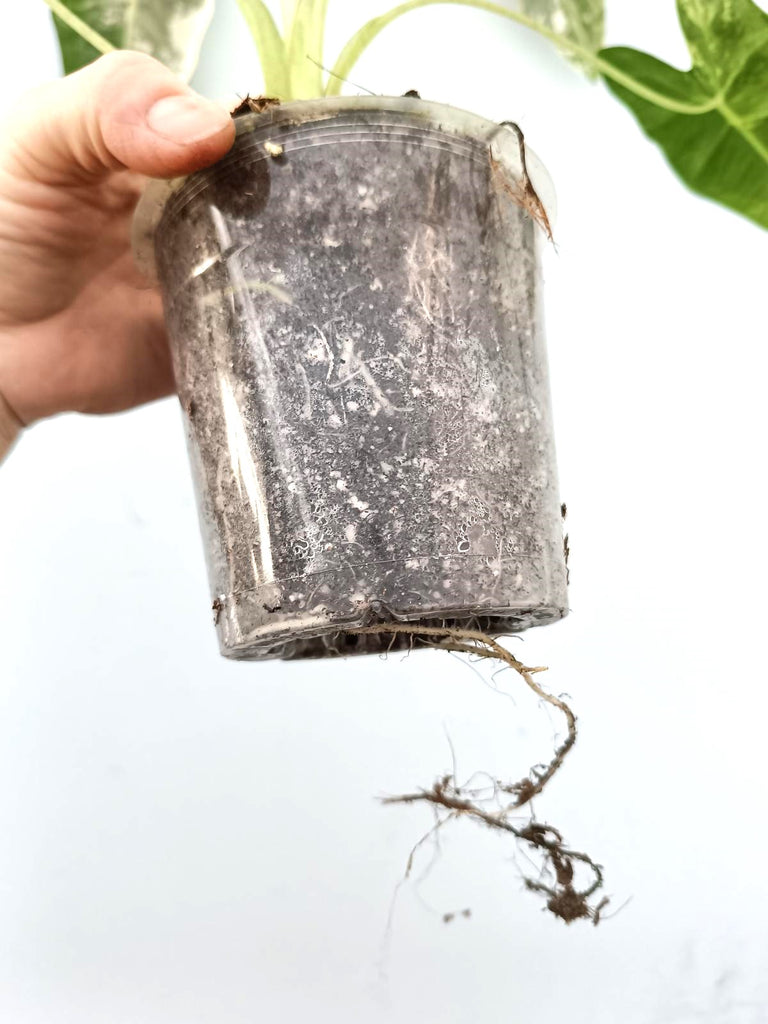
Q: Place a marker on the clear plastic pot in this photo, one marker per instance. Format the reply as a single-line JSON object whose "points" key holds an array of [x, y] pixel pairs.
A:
{"points": [[353, 301]]}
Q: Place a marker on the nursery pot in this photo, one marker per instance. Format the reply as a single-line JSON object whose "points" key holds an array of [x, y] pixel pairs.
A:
{"points": [[353, 302]]}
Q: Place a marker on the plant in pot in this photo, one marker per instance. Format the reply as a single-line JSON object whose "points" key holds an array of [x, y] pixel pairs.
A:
{"points": [[354, 306]]}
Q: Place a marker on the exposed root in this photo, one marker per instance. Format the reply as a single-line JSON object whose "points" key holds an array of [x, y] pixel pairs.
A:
{"points": [[522, 192], [488, 805]]}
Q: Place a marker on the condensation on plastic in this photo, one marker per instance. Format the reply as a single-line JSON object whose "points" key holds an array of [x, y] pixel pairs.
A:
{"points": [[353, 301]]}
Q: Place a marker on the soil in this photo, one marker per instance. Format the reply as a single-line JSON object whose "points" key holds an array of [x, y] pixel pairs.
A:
{"points": [[357, 342]]}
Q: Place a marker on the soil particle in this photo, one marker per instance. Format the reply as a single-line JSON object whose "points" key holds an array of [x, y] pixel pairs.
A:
{"points": [[358, 327]]}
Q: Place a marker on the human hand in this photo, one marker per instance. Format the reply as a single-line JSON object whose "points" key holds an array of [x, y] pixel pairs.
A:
{"points": [[79, 327]]}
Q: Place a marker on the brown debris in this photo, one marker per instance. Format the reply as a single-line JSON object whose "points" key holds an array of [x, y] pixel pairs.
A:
{"points": [[451, 915], [521, 192], [566, 556], [255, 105]]}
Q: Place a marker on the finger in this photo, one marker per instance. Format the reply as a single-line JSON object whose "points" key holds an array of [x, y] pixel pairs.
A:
{"points": [[126, 110], [10, 427]]}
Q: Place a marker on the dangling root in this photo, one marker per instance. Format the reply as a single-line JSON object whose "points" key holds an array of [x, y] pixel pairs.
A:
{"points": [[564, 899], [521, 192]]}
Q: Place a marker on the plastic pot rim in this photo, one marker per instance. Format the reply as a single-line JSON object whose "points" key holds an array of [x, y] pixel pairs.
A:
{"points": [[452, 120]]}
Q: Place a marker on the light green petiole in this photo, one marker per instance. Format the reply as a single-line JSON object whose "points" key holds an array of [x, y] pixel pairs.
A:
{"points": [[90, 35]]}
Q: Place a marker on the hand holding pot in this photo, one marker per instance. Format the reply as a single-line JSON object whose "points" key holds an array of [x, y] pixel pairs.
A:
{"points": [[79, 328]]}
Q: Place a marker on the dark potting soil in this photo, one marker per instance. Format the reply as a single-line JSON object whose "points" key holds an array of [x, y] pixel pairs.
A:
{"points": [[353, 304]]}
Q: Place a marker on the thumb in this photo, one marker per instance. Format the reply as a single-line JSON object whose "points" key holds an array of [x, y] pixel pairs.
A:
{"points": [[126, 110]]}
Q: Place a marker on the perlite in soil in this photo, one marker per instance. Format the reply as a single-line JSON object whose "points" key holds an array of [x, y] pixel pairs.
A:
{"points": [[353, 300]]}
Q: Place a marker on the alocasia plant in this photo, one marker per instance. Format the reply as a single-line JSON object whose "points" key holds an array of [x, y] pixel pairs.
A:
{"points": [[711, 122]]}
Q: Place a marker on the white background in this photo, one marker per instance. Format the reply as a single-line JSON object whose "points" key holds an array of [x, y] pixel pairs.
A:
{"points": [[189, 841]]}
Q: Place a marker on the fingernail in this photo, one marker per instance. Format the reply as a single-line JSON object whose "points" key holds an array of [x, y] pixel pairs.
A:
{"points": [[186, 118]]}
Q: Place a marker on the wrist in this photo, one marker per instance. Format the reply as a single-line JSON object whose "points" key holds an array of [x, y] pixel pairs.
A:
{"points": [[10, 427]]}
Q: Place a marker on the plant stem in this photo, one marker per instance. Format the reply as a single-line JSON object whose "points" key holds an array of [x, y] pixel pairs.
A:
{"points": [[270, 46], [90, 35], [353, 49]]}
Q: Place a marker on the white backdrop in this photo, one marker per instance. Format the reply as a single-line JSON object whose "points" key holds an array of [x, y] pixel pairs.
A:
{"points": [[189, 841]]}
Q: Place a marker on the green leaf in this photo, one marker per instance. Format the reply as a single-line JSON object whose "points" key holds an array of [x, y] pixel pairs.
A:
{"points": [[171, 30], [582, 21], [271, 48], [712, 121]]}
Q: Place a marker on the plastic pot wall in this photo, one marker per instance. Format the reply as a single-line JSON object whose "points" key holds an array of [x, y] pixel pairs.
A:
{"points": [[353, 301]]}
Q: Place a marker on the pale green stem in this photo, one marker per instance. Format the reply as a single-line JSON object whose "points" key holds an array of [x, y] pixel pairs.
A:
{"points": [[304, 45], [348, 56], [90, 35], [287, 9], [270, 46]]}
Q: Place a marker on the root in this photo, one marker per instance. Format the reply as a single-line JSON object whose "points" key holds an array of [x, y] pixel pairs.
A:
{"points": [[521, 192], [451, 800]]}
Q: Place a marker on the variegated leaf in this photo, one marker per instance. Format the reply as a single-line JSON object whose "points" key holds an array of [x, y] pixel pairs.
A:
{"points": [[170, 30], [582, 21]]}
